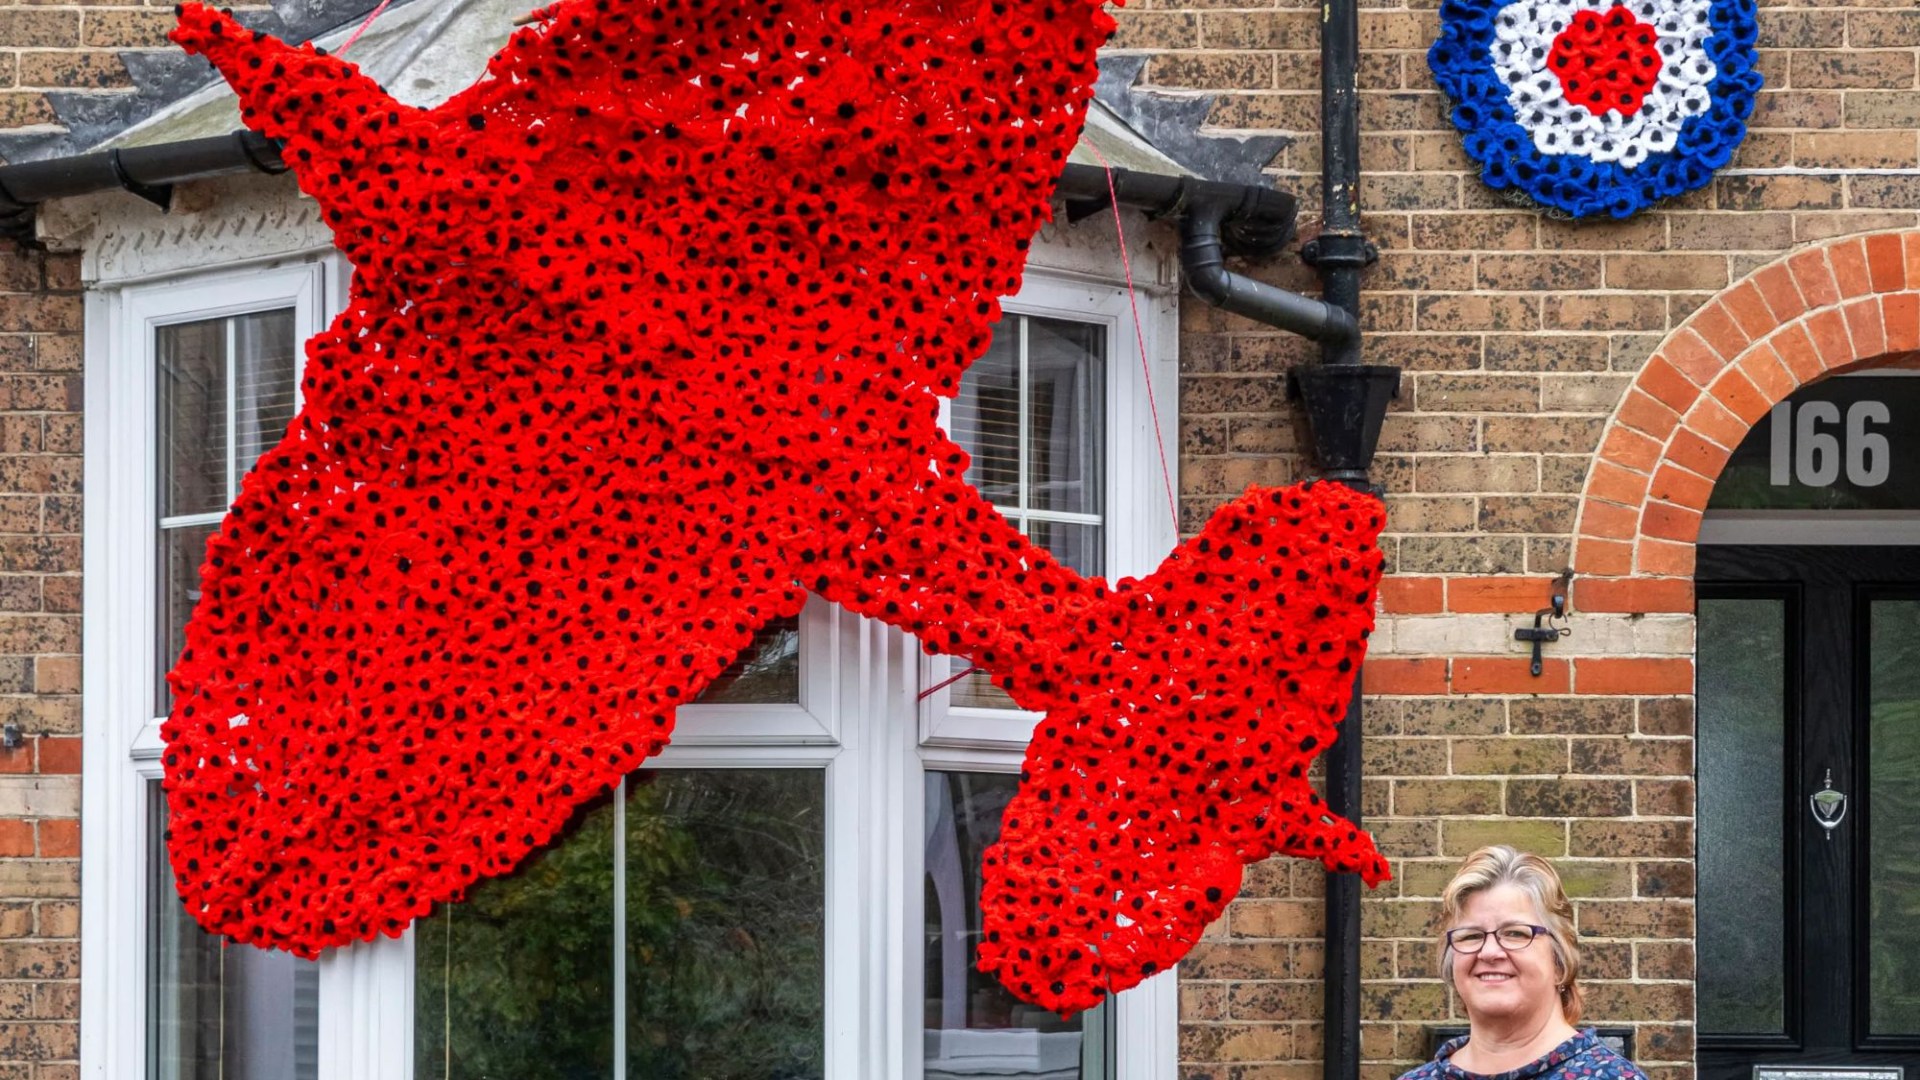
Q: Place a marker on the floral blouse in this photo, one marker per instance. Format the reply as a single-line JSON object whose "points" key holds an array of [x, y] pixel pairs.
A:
{"points": [[1583, 1057]]}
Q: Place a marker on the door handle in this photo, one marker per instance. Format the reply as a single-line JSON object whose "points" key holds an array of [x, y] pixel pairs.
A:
{"points": [[1828, 805]]}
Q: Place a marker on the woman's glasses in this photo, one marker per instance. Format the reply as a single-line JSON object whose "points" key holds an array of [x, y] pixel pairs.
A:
{"points": [[1512, 937]]}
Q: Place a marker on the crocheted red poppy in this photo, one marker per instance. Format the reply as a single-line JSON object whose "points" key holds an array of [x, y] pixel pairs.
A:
{"points": [[646, 340]]}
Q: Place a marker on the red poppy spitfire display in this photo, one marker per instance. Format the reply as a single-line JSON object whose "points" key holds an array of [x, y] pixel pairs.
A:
{"points": [[1593, 106], [647, 338]]}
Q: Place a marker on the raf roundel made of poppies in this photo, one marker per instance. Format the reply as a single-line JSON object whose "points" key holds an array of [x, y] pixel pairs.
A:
{"points": [[1593, 106]]}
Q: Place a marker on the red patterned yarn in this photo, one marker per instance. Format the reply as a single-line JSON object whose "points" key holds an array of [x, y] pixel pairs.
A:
{"points": [[646, 341], [1607, 60]]}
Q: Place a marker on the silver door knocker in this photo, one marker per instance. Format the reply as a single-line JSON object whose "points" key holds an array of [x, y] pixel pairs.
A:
{"points": [[1829, 806]]}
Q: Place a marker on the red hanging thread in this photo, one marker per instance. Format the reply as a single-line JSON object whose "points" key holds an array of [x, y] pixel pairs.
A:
{"points": [[1139, 337], [372, 15]]}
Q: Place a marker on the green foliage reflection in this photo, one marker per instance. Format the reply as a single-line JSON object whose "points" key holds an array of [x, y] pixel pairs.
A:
{"points": [[516, 983], [725, 949], [725, 916]]}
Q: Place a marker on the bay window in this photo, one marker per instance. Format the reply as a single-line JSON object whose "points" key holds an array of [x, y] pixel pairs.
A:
{"points": [[790, 891]]}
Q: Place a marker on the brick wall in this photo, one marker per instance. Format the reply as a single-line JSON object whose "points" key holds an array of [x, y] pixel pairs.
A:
{"points": [[1526, 343], [71, 48], [40, 467]]}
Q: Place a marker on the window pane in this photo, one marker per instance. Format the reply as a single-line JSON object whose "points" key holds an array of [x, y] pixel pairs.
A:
{"points": [[517, 981], [768, 672], [726, 924], [192, 388], [217, 1011], [182, 550], [1893, 898], [1079, 546], [1742, 738], [1066, 415], [974, 1027], [200, 410], [263, 392], [986, 416], [725, 884]]}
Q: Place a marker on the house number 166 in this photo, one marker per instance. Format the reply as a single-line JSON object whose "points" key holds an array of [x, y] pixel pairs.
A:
{"points": [[1811, 445]]}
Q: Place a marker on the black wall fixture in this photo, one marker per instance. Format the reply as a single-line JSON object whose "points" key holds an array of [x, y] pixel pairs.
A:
{"points": [[1346, 405]]}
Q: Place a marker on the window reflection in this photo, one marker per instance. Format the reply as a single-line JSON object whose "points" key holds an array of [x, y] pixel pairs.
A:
{"points": [[719, 962], [974, 1026], [1893, 860], [767, 671], [726, 924], [517, 981]]}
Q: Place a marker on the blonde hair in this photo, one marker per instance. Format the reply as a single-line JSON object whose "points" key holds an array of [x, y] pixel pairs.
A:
{"points": [[1535, 876]]}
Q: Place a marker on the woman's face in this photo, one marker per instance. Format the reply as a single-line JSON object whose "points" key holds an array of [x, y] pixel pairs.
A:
{"points": [[1494, 984]]}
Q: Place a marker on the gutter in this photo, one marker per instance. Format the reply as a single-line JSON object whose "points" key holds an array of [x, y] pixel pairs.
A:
{"points": [[1216, 219], [147, 171]]}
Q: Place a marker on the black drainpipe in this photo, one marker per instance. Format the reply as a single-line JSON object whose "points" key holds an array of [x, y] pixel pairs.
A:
{"points": [[1345, 403]]}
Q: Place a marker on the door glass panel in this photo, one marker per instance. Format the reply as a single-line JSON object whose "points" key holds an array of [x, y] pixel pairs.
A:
{"points": [[218, 1011], [1742, 738], [517, 981], [1893, 797], [974, 1027]]}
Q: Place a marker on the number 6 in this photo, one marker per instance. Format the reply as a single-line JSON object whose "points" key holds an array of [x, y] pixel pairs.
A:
{"points": [[1816, 459], [1868, 459]]}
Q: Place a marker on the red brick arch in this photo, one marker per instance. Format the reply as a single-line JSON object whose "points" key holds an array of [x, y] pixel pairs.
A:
{"points": [[1848, 303]]}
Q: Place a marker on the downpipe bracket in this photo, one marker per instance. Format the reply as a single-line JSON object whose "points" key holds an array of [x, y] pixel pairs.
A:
{"points": [[1335, 250]]}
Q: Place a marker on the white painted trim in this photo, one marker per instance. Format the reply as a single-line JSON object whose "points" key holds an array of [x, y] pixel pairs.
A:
{"points": [[366, 1010], [1840, 528], [1147, 1038]]}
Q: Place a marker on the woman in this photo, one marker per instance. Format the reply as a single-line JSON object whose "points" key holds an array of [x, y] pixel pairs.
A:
{"points": [[1509, 952]]}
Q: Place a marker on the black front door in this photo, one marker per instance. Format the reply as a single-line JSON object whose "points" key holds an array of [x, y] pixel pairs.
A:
{"points": [[1808, 761]]}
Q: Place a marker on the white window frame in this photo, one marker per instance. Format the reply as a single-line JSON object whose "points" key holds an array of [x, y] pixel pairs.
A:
{"points": [[121, 735], [859, 717]]}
